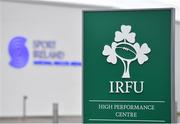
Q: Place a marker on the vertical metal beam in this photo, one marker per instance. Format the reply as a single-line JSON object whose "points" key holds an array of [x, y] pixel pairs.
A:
{"points": [[24, 105], [173, 106], [55, 113], [176, 110]]}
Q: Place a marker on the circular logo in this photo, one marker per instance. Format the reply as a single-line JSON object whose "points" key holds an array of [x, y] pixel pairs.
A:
{"points": [[18, 52]]}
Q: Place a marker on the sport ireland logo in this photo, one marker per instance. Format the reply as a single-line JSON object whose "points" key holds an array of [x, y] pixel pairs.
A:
{"points": [[18, 52]]}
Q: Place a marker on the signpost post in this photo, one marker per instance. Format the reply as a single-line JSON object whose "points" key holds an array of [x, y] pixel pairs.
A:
{"points": [[128, 66]]}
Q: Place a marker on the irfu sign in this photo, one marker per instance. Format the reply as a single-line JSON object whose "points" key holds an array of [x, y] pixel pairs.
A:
{"points": [[128, 69]]}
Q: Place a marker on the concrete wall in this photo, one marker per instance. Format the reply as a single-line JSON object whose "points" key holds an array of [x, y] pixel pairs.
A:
{"points": [[0, 55], [42, 84]]}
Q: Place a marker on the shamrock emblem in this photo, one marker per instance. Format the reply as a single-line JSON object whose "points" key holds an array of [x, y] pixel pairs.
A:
{"points": [[125, 49], [109, 51], [125, 34], [141, 52]]}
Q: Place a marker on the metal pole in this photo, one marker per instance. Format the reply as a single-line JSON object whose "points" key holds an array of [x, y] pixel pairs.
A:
{"points": [[55, 113], [176, 115], [24, 106]]}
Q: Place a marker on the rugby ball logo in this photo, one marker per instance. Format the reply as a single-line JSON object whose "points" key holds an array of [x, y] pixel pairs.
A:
{"points": [[125, 48]]}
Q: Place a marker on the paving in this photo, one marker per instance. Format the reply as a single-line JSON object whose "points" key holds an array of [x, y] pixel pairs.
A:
{"points": [[41, 119], [44, 119]]}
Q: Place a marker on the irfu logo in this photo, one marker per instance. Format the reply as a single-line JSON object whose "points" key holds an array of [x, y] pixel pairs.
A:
{"points": [[126, 49]]}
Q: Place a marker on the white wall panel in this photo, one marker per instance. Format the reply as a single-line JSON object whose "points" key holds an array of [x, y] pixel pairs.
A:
{"points": [[42, 84]]}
